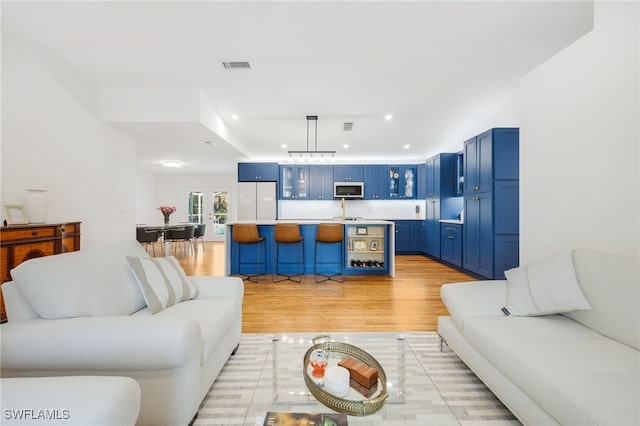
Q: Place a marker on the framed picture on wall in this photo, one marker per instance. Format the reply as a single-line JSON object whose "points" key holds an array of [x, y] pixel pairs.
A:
{"points": [[15, 214]]}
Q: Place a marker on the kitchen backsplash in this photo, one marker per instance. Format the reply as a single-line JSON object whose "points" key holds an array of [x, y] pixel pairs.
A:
{"points": [[367, 209]]}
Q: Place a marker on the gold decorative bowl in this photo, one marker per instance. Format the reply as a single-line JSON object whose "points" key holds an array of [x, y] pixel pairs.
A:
{"points": [[364, 407]]}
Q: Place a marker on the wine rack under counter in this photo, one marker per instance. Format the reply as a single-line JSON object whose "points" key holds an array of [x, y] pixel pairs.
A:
{"points": [[367, 249]]}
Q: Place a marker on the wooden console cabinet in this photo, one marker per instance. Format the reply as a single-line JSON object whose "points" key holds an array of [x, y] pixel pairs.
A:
{"points": [[19, 243]]}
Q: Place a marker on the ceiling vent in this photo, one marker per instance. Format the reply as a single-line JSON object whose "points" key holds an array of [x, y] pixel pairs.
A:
{"points": [[237, 65], [347, 126]]}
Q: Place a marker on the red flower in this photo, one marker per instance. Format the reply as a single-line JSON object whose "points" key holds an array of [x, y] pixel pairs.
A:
{"points": [[167, 210]]}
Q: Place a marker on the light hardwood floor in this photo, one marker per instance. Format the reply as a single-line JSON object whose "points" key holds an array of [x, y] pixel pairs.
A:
{"points": [[408, 302]]}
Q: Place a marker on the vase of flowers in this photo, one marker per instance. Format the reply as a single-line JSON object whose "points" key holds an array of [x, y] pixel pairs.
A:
{"points": [[166, 212]]}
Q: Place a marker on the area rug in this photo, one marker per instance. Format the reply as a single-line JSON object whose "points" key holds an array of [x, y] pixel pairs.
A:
{"points": [[472, 404]]}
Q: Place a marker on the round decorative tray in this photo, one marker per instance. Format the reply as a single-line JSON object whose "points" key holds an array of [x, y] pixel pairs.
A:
{"points": [[353, 407]]}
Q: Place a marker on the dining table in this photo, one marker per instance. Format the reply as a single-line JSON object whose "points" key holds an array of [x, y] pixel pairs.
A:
{"points": [[164, 228]]}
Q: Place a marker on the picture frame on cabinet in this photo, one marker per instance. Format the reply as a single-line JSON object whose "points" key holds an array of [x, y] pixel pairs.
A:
{"points": [[374, 245], [359, 245], [15, 214], [361, 230]]}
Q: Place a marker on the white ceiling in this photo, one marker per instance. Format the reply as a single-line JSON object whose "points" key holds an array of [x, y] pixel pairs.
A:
{"points": [[439, 68]]}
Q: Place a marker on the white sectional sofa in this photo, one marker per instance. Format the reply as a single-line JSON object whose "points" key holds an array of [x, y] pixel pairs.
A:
{"points": [[113, 311], [573, 367], [69, 401]]}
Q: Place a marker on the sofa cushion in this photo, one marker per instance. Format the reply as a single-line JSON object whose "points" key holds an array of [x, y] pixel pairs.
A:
{"points": [[576, 374], [91, 282], [546, 287], [162, 281], [476, 298], [611, 283], [214, 316]]}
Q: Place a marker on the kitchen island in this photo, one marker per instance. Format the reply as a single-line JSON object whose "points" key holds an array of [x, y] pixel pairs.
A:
{"points": [[368, 247]]}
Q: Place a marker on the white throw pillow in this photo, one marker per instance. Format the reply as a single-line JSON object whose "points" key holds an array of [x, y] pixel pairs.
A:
{"points": [[162, 281], [546, 287]]}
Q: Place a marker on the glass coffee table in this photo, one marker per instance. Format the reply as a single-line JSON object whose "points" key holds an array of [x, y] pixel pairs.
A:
{"points": [[413, 398]]}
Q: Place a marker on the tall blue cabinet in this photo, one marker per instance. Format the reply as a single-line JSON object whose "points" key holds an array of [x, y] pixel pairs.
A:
{"points": [[491, 202], [441, 199]]}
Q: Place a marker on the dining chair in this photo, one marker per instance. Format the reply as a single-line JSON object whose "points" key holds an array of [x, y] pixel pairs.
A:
{"points": [[181, 236], [199, 235], [147, 237]]}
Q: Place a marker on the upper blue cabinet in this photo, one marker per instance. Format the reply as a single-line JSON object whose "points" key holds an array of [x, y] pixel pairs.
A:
{"points": [[402, 182], [375, 182], [294, 182], [257, 172], [488, 156], [459, 176], [348, 173], [321, 182]]}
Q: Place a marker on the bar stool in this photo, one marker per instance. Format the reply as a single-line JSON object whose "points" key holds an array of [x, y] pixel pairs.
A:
{"points": [[287, 233], [329, 233], [247, 233]]}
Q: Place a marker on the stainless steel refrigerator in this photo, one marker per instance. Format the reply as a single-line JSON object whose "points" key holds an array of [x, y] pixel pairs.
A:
{"points": [[257, 201]]}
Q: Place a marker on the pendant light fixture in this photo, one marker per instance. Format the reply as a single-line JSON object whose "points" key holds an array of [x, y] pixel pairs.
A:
{"points": [[311, 155]]}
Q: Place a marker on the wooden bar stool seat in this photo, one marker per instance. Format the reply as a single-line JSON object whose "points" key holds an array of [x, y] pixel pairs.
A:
{"points": [[247, 233], [329, 233], [287, 233]]}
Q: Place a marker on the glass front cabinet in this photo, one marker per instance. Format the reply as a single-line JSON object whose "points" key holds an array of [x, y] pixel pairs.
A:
{"points": [[402, 182], [294, 182]]}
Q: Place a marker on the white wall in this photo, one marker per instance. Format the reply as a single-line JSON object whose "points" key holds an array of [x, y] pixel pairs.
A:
{"points": [[52, 140], [579, 138], [171, 189]]}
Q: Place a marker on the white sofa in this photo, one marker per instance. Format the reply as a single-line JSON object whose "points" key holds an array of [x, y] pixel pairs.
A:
{"points": [[84, 313], [69, 401], [579, 367]]}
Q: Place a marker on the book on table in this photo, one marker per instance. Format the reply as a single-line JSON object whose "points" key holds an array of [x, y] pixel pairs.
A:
{"points": [[282, 418]]}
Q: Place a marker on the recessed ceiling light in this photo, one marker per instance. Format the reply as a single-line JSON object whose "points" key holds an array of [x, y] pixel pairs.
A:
{"points": [[172, 163], [388, 117], [235, 117], [284, 145], [345, 146], [407, 146]]}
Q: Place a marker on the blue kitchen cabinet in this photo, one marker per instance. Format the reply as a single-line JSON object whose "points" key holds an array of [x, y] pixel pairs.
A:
{"points": [[491, 203], [451, 243], [422, 181], [375, 182], [257, 172], [418, 236], [410, 236], [321, 182], [348, 173], [492, 155], [441, 202], [459, 176], [403, 236], [402, 182], [294, 182]]}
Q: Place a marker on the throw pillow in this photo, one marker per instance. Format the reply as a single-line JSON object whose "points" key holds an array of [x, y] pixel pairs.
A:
{"points": [[162, 282], [546, 287]]}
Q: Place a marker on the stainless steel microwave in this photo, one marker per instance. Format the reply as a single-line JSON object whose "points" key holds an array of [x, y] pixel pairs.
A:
{"points": [[348, 189]]}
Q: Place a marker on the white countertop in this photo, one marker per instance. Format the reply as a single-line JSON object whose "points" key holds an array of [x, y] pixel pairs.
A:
{"points": [[316, 221], [455, 221]]}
